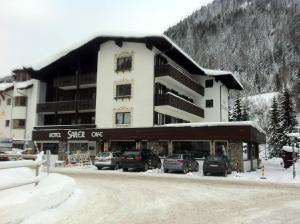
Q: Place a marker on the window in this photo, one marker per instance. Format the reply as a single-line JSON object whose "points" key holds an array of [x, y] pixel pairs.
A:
{"points": [[209, 103], [124, 63], [209, 83], [123, 91], [20, 101], [7, 123], [18, 123], [8, 102], [123, 118]]}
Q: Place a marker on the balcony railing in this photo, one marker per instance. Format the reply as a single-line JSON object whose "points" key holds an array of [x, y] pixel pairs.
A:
{"points": [[63, 106], [169, 70], [177, 102], [83, 79]]}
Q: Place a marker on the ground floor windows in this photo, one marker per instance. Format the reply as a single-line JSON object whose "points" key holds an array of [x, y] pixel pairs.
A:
{"points": [[221, 148], [161, 119], [122, 146], [75, 147], [197, 149], [53, 147]]}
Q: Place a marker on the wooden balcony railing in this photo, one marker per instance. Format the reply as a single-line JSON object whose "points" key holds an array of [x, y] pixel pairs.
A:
{"points": [[177, 102], [169, 70], [83, 79], [62, 106]]}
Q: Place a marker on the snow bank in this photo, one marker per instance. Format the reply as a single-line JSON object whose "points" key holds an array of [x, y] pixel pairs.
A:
{"points": [[20, 203], [288, 148]]}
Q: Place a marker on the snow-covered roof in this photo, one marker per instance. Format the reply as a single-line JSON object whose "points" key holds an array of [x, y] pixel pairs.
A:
{"points": [[288, 148], [24, 85], [162, 38], [5, 86], [218, 124]]}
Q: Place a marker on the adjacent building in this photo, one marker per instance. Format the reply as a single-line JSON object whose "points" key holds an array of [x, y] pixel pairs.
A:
{"points": [[18, 102], [119, 93]]}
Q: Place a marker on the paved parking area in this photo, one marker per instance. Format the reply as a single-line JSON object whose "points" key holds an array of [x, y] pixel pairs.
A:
{"points": [[109, 197]]}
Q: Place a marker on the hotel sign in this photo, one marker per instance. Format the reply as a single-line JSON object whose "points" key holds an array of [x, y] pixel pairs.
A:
{"points": [[65, 135]]}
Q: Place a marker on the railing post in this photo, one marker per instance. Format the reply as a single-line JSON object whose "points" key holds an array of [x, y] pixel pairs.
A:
{"points": [[37, 168], [48, 161]]}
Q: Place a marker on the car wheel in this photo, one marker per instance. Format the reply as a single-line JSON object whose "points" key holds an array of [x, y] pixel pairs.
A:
{"points": [[117, 166], [159, 165], [146, 167], [125, 169], [185, 170], [166, 171], [197, 168], [204, 173], [225, 173]]}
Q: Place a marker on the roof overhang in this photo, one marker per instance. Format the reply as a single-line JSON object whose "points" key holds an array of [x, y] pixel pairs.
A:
{"points": [[161, 42]]}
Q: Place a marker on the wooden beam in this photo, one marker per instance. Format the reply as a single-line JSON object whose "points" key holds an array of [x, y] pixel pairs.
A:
{"points": [[119, 43], [149, 46]]}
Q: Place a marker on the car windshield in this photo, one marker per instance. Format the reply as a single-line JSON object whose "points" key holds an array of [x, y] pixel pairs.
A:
{"points": [[104, 154], [215, 159], [174, 157], [131, 153]]}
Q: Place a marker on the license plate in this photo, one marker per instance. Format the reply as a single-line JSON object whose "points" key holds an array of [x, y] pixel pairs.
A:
{"points": [[214, 165]]}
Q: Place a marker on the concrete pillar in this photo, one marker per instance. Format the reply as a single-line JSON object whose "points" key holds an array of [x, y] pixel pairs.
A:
{"points": [[106, 146], [170, 148], [138, 145]]}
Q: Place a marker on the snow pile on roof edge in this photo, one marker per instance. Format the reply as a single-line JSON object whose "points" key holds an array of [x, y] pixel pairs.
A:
{"points": [[218, 124]]}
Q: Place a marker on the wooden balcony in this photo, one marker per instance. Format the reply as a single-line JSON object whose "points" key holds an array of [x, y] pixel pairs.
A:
{"points": [[83, 79], [169, 70], [177, 102], [66, 106]]}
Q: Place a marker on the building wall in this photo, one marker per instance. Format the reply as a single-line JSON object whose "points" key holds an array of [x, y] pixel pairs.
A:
{"points": [[141, 77], [213, 114], [5, 114]]}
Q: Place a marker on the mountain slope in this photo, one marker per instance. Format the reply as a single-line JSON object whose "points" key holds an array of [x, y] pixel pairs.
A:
{"points": [[257, 39]]}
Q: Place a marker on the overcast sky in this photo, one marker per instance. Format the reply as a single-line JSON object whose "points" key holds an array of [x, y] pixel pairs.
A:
{"points": [[33, 30]]}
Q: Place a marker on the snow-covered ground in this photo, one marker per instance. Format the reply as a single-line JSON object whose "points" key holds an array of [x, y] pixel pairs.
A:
{"points": [[19, 203]]}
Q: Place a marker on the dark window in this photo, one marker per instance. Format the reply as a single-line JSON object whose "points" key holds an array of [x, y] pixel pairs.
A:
{"points": [[20, 101], [124, 63], [209, 103], [18, 123], [123, 118], [7, 123], [123, 91], [209, 83], [8, 102]]}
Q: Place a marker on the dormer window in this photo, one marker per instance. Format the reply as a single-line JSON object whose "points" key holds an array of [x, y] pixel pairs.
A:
{"points": [[124, 64]]}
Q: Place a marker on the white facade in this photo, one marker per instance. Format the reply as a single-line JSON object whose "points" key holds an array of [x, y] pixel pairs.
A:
{"points": [[10, 111], [141, 78]]}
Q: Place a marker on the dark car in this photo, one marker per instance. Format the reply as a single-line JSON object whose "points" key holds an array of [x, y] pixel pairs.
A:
{"points": [[216, 165], [140, 159], [108, 159], [180, 162]]}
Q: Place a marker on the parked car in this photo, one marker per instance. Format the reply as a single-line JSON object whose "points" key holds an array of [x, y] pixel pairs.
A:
{"points": [[108, 159], [180, 162], [216, 165], [143, 159]]}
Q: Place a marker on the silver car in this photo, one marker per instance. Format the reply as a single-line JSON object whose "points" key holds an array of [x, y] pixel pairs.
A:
{"points": [[108, 159], [180, 162]]}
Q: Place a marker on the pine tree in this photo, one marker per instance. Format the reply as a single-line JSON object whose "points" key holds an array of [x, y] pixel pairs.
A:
{"points": [[245, 113], [237, 111], [287, 116], [274, 131]]}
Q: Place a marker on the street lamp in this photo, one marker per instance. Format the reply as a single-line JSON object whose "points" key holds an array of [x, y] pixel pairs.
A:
{"points": [[293, 137]]}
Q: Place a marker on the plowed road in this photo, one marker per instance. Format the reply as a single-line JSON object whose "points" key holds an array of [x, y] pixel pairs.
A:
{"points": [[107, 197]]}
